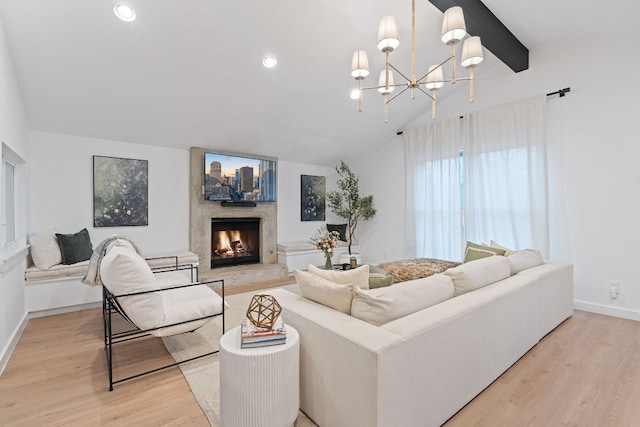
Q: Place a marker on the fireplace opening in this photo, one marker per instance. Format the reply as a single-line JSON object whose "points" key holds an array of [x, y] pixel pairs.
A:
{"points": [[235, 241]]}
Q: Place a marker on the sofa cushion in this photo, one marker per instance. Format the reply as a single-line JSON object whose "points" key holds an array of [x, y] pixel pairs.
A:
{"points": [[45, 251], [358, 277], [474, 251], [382, 305], [75, 247], [123, 271], [476, 274], [325, 292], [340, 228], [526, 258]]}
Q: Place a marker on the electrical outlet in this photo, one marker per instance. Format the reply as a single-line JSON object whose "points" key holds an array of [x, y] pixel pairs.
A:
{"points": [[614, 288]]}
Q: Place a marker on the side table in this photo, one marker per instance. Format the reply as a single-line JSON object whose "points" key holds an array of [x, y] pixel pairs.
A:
{"points": [[259, 387]]}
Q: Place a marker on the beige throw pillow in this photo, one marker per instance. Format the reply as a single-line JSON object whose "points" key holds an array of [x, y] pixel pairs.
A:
{"points": [[358, 277], [526, 258], [45, 250], [507, 251], [325, 292], [382, 305], [476, 274]]}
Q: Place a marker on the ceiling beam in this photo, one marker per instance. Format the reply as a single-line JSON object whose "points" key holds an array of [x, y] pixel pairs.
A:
{"points": [[495, 36]]}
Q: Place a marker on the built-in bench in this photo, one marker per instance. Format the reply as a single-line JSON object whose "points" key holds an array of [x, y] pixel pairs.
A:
{"points": [[59, 289], [298, 255]]}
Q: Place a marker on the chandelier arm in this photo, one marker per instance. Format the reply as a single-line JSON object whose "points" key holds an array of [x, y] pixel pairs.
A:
{"points": [[398, 94], [400, 72], [425, 92]]}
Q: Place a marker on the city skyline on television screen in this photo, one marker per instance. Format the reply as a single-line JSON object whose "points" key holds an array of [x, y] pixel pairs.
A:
{"points": [[229, 177]]}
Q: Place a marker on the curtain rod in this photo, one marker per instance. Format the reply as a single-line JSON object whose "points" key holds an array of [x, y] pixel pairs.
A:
{"points": [[560, 92]]}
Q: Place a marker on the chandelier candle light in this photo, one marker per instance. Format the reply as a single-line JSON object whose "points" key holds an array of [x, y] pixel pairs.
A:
{"points": [[453, 31]]}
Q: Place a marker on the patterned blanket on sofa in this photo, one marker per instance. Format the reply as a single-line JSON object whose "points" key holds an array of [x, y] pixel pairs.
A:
{"points": [[410, 269]]}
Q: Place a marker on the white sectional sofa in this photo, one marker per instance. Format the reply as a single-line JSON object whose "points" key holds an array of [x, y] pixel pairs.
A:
{"points": [[421, 368]]}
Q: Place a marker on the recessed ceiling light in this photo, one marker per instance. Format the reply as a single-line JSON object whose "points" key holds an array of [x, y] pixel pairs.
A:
{"points": [[269, 61], [124, 12], [355, 94]]}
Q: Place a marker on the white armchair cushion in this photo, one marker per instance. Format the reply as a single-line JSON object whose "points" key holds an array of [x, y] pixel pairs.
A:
{"points": [[382, 305], [478, 273], [123, 271], [325, 292], [45, 250], [358, 277]]}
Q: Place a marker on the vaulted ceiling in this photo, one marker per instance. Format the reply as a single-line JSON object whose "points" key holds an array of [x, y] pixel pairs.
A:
{"points": [[189, 73]]}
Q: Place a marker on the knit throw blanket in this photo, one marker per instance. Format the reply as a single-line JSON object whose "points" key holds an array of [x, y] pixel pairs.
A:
{"points": [[410, 269], [92, 278]]}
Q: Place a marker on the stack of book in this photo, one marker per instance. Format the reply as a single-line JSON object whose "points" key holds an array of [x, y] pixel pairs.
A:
{"points": [[254, 336]]}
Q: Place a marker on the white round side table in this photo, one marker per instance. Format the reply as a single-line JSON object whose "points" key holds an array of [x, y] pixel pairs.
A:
{"points": [[259, 387]]}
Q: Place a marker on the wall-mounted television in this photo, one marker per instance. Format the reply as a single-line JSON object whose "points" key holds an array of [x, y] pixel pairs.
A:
{"points": [[239, 178]]}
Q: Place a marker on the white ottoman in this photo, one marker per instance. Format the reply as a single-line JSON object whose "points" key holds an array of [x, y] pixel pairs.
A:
{"points": [[259, 387]]}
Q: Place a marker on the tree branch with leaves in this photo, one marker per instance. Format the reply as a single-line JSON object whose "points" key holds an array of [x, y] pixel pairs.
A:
{"points": [[347, 202]]}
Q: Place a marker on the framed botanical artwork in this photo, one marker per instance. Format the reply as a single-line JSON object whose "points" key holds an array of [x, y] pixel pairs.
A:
{"points": [[120, 192], [312, 197]]}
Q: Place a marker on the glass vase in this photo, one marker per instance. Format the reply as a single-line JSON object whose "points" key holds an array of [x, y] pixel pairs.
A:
{"points": [[327, 262]]}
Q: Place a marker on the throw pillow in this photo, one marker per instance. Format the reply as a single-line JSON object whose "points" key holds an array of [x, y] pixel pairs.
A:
{"points": [[526, 258], [75, 247], [481, 272], [475, 251], [378, 280], [380, 306], [325, 292], [45, 251], [507, 251], [358, 277], [340, 228]]}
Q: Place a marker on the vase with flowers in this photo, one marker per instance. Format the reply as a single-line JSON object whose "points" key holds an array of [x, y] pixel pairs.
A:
{"points": [[326, 241]]}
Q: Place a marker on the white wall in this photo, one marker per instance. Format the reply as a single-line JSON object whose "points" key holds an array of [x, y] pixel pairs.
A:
{"points": [[595, 188], [62, 189], [290, 227], [14, 134]]}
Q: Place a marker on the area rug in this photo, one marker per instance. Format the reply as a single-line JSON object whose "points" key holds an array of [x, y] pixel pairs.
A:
{"points": [[202, 375]]}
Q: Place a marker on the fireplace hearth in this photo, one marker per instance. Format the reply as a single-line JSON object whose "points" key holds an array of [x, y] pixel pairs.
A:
{"points": [[235, 241]]}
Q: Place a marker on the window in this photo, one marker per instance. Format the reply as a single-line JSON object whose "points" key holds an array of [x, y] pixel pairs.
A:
{"points": [[479, 180]]}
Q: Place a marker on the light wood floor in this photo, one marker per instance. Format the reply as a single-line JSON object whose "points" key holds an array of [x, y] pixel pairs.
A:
{"points": [[585, 373]]}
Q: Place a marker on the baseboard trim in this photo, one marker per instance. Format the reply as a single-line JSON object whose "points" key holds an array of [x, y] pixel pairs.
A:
{"points": [[62, 310], [8, 350], [607, 309]]}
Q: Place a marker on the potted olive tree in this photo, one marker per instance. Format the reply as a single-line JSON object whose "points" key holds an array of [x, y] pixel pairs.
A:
{"points": [[347, 202]]}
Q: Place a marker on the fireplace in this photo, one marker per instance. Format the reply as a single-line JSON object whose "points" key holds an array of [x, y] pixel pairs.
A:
{"points": [[235, 241]]}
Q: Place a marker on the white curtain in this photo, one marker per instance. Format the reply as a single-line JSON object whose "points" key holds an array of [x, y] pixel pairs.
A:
{"points": [[505, 168], [433, 223]]}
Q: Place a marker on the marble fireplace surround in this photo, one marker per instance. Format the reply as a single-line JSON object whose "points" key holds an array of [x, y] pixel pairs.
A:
{"points": [[200, 214]]}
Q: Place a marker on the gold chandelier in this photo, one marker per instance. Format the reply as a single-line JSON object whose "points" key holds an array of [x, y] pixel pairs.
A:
{"points": [[453, 31]]}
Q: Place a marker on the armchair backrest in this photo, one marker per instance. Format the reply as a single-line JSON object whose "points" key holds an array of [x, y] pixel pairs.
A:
{"points": [[124, 271]]}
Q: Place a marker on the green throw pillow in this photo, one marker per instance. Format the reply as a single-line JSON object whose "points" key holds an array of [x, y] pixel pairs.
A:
{"points": [[377, 280], [75, 247], [340, 228], [475, 251]]}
